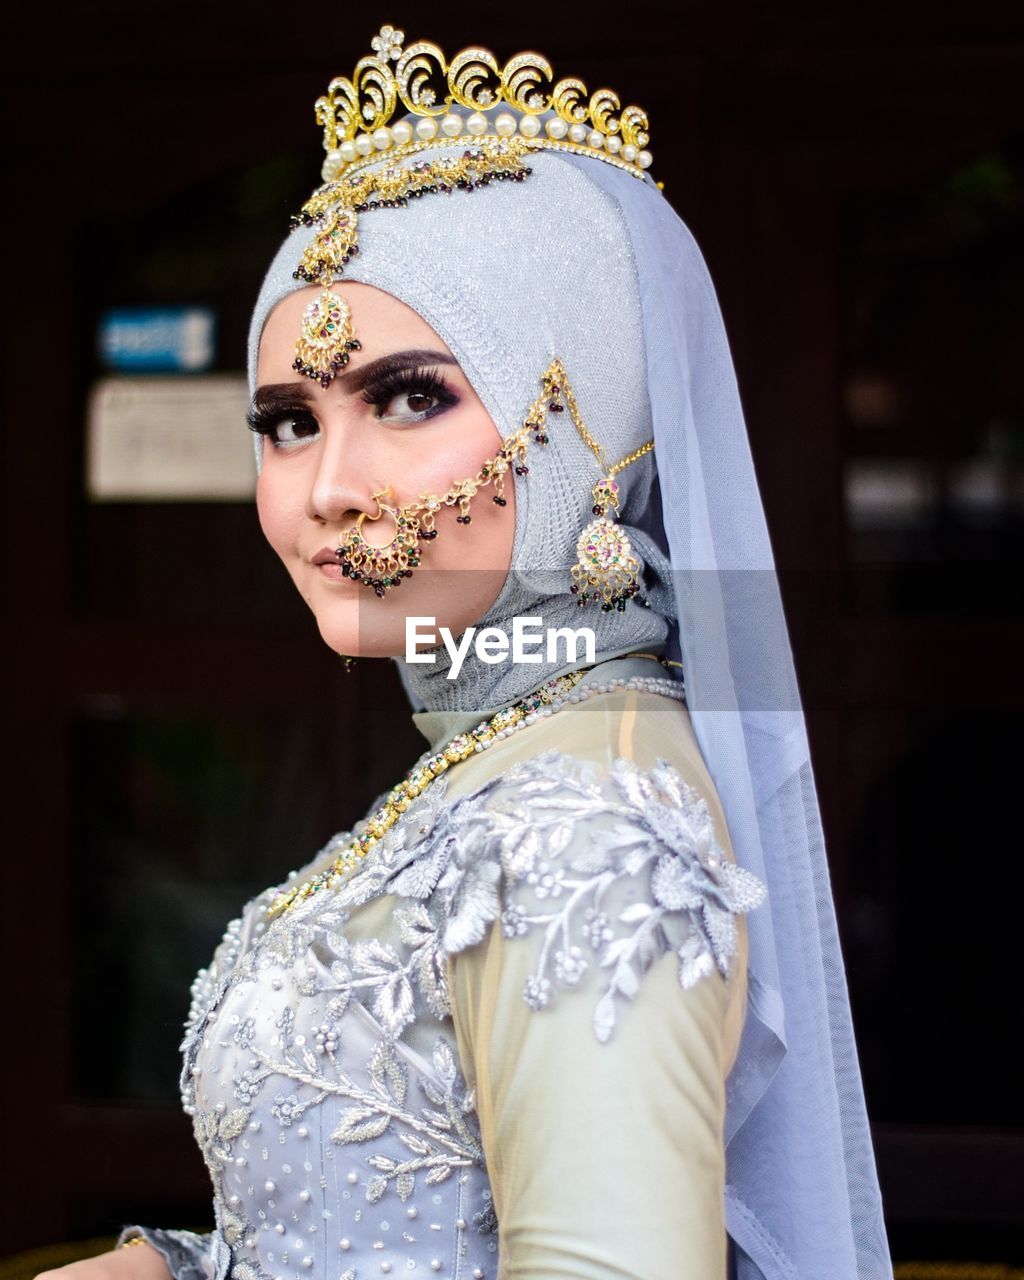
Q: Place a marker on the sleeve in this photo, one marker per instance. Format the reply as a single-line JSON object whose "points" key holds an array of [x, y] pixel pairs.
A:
{"points": [[597, 1021], [189, 1256]]}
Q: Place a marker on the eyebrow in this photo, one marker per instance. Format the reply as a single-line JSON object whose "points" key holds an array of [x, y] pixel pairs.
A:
{"points": [[275, 394]]}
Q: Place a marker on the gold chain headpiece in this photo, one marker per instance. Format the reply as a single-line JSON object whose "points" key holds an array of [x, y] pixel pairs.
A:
{"points": [[355, 116], [356, 112], [326, 335]]}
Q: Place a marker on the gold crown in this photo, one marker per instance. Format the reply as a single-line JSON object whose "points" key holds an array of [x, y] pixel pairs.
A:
{"points": [[356, 113]]}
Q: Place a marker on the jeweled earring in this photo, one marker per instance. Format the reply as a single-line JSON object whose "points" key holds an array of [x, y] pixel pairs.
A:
{"points": [[606, 570], [381, 567], [347, 663], [327, 338]]}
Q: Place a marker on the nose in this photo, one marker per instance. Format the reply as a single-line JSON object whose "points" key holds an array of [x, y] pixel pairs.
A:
{"points": [[341, 487]]}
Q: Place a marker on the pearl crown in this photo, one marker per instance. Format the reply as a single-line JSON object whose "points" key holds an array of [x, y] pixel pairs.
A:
{"points": [[356, 113]]}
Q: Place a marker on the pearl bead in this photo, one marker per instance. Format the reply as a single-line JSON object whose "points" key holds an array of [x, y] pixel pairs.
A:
{"points": [[476, 124], [629, 152], [435, 1264], [364, 144], [385, 1266], [556, 128], [352, 1177], [505, 125], [478, 1273], [460, 1223], [279, 1228], [644, 159], [451, 125], [402, 132], [595, 139], [382, 138], [345, 1243], [269, 1186], [529, 126], [307, 1261], [411, 1212], [426, 128], [304, 1196], [302, 1131], [577, 133]]}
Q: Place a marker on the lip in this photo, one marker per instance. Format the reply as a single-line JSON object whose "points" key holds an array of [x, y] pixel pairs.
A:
{"points": [[325, 555]]}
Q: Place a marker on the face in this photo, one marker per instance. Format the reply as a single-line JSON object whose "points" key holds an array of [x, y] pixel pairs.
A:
{"points": [[400, 414]]}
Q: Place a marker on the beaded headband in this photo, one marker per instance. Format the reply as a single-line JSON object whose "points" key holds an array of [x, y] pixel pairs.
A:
{"points": [[356, 113]]}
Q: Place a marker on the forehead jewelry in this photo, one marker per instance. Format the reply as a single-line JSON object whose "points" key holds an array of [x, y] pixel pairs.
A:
{"points": [[382, 568], [327, 337], [507, 112]]}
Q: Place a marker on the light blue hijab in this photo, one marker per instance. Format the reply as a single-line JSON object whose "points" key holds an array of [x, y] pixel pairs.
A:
{"points": [[588, 262]]}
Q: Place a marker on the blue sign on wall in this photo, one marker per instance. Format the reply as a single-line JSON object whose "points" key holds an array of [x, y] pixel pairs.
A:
{"points": [[158, 339]]}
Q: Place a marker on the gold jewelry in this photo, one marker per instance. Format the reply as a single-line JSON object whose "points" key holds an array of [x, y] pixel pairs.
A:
{"points": [[327, 337], [127, 1244], [356, 113], [386, 566], [383, 568], [606, 568], [457, 749], [550, 698]]}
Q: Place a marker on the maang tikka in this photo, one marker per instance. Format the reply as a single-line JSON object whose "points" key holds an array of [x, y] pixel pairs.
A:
{"points": [[607, 571]]}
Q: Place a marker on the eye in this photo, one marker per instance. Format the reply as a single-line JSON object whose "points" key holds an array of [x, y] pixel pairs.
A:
{"points": [[284, 428], [405, 396]]}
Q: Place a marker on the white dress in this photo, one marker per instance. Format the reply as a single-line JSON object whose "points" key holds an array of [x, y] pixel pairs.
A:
{"points": [[500, 1047]]}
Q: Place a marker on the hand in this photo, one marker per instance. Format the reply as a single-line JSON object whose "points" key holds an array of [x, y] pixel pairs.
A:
{"points": [[139, 1262]]}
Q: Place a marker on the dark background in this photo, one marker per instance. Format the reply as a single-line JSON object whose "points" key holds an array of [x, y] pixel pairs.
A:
{"points": [[177, 735]]}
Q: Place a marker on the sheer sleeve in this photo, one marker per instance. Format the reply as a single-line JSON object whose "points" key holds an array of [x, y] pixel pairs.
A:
{"points": [[597, 1020]]}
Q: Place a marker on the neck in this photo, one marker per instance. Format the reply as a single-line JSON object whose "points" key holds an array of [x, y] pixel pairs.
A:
{"points": [[484, 687]]}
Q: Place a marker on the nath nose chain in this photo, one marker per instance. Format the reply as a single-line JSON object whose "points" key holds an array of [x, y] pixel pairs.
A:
{"points": [[607, 571]]}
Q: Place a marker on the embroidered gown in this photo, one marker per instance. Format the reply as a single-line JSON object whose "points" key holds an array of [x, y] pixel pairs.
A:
{"points": [[500, 1047]]}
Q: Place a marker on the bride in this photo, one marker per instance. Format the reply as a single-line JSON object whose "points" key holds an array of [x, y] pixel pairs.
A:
{"points": [[569, 1001]]}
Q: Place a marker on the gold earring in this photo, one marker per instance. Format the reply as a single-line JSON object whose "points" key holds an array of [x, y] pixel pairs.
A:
{"points": [[606, 568], [381, 567]]}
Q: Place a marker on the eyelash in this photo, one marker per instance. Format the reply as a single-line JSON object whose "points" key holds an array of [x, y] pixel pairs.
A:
{"points": [[395, 382], [265, 422], [378, 393]]}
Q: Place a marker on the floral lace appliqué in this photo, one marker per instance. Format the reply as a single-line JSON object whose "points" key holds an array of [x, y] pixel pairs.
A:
{"points": [[538, 849]]}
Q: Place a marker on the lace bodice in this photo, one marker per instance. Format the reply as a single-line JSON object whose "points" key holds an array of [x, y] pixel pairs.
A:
{"points": [[344, 1063]]}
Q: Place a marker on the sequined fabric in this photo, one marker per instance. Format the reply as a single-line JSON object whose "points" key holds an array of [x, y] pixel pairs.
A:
{"points": [[333, 1096]]}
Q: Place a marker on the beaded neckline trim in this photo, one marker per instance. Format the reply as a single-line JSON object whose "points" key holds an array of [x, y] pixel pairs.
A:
{"points": [[550, 698]]}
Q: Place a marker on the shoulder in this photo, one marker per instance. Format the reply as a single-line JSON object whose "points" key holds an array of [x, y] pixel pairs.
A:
{"points": [[594, 865]]}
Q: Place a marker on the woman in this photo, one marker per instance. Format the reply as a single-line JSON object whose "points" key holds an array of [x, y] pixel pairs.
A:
{"points": [[519, 1022]]}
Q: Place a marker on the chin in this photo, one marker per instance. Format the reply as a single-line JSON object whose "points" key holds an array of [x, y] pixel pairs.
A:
{"points": [[357, 636]]}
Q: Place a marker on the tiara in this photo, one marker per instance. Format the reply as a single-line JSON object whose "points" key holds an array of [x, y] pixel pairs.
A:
{"points": [[355, 113]]}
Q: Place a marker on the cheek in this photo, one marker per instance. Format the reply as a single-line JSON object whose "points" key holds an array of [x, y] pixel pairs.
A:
{"points": [[281, 512]]}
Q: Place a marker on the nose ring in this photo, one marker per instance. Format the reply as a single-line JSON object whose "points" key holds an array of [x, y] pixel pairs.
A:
{"points": [[381, 567]]}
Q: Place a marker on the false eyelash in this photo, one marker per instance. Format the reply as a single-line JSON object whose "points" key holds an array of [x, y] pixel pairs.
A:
{"points": [[265, 421], [393, 382]]}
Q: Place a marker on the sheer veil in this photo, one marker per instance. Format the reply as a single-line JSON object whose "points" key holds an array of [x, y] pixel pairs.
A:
{"points": [[802, 1194]]}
